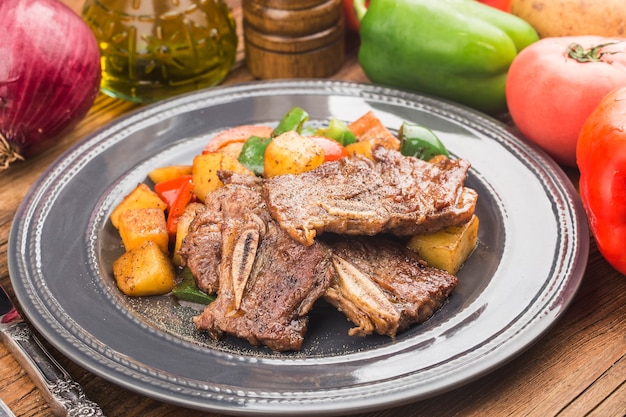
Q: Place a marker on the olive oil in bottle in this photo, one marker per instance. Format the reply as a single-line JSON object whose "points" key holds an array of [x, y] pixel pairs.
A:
{"points": [[154, 49]]}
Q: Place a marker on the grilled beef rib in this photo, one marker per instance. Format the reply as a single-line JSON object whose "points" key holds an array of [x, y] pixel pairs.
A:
{"points": [[383, 287], [254, 245], [393, 194], [266, 281]]}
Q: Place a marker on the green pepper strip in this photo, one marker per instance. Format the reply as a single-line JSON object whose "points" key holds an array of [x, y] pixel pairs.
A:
{"points": [[293, 120], [187, 290], [338, 131], [253, 152], [420, 142]]}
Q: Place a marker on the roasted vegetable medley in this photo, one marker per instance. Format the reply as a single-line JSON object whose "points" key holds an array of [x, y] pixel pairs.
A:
{"points": [[153, 220]]}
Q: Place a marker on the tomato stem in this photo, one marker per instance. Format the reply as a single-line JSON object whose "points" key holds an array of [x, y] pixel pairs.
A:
{"points": [[578, 53], [8, 154]]}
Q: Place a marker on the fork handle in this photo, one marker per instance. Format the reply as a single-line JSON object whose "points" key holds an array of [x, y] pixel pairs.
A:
{"points": [[65, 396]]}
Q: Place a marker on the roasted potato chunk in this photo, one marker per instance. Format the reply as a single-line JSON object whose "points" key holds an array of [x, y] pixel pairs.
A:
{"points": [[232, 149], [204, 171], [141, 197], [144, 270], [291, 153], [138, 225], [447, 249], [169, 172], [182, 228]]}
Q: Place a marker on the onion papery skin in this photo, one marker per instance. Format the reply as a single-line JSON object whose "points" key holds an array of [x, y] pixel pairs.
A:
{"points": [[49, 75]]}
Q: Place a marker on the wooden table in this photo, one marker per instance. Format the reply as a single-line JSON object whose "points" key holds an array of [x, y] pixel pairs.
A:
{"points": [[578, 368]]}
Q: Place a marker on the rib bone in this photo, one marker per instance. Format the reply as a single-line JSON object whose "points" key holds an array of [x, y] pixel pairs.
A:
{"points": [[372, 301]]}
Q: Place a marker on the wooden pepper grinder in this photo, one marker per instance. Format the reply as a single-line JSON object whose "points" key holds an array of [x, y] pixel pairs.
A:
{"points": [[293, 38]]}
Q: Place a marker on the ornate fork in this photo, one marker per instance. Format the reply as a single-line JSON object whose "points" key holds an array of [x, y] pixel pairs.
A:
{"points": [[65, 396]]}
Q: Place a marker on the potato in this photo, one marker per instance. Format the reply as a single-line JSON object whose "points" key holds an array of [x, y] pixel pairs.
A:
{"points": [[144, 270], [204, 171], [169, 172], [231, 163], [291, 153], [447, 249], [138, 225], [232, 149], [141, 197], [182, 227], [573, 17]]}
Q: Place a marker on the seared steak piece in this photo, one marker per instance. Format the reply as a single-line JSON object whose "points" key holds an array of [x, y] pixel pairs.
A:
{"points": [[393, 194], [267, 281], [201, 250], [383, 287]]}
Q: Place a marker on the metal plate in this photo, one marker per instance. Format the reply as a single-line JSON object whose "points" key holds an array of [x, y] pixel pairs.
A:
{"points": [[533, 248]]}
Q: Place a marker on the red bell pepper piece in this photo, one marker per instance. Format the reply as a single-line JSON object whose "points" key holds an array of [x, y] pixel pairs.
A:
{"points": [[504, 5], [601, 159], [170, 189], [177, 194]]}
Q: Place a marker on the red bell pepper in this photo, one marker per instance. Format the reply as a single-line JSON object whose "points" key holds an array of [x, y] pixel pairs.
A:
{"points": [[177, 194], [170, 189], [504, 5], [601, 159]]}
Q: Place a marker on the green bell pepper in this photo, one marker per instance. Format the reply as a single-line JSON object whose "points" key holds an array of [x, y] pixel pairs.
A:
{"points": [[420, 142], [187, 290], [459, 50], [294, 119], [252, 154], [337, 130]]}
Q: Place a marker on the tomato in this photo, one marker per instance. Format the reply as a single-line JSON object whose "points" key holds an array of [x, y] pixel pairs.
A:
{"points": [[333, 150], [236, 134], [555, 83], [504, 5]]}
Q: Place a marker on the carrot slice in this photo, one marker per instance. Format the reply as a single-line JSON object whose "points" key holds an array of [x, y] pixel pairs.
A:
{"points": [[369, 127]]}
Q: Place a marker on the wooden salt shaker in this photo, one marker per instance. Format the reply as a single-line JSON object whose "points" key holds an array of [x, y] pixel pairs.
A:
{"points": [[293, 38]]}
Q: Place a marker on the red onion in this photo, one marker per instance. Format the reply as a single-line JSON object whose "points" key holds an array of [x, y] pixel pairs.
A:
{"points": [[49, 75]]}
